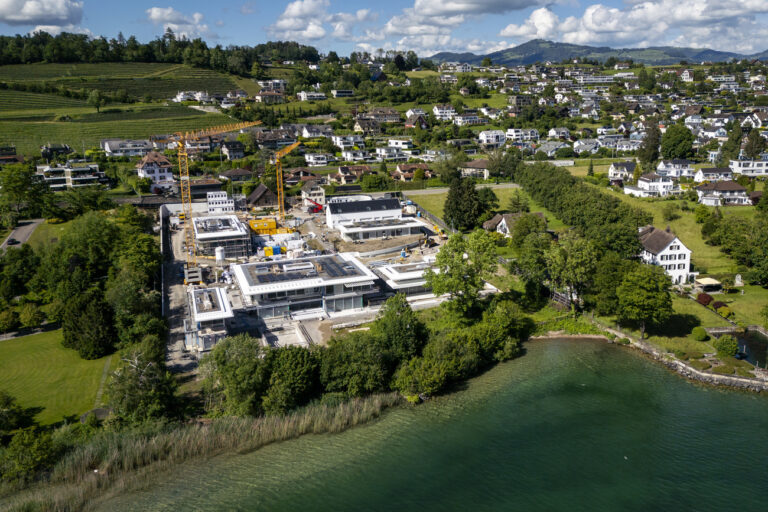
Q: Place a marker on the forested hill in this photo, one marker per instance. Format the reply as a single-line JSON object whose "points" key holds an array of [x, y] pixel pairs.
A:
{"points": [[540, 50], [79, 48]]}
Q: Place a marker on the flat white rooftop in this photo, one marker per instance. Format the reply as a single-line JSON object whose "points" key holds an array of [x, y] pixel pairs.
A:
{"points": [[404, 275], [217, 228], [210, 304], [302, 273], [378, 225]]}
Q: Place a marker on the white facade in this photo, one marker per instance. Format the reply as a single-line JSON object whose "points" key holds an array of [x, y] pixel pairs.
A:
{"points": [[317, 159], [444, 112], [675, 168], [400, 143], [348, 141], [492, 137], [674, 256], [219, 202], [310, 96], [713, 174], [375, 209], [126, 147], [651, 185], [751, 168], [522, 134]]}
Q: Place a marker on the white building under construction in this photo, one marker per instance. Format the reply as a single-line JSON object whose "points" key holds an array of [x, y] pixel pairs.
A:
{"points": [[225, 231], [320, 284], [210, 311]]}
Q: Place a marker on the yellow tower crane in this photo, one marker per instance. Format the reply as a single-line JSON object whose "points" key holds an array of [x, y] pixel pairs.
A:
{"points": [[279, 167], [181, 139]]}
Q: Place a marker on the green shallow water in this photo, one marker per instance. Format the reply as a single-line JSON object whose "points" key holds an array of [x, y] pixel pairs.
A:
{"points": [[572, 426]]}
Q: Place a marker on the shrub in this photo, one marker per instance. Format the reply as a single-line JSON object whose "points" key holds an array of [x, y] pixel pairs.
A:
{"points": [[700, 365], [700, 334], [725, 312], [704, 299], [623, 341], [726, 345], [9, 320], [717, 305]]}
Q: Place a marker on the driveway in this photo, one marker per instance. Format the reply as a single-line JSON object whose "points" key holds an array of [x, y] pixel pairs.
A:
{"points": [[22, 232]]}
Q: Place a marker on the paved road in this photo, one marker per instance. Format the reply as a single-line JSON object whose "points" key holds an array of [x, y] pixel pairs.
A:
{"points": [[22, 232], [442, 190]]}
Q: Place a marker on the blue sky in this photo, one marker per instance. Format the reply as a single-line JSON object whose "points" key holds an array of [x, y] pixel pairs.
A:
{"points": [[426, 26]]}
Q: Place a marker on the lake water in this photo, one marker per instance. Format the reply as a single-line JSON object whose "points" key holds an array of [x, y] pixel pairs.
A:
{"points": [[571, 426]]}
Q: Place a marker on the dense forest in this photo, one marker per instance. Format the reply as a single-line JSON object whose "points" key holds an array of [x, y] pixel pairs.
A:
{"points": [[81, 48]]}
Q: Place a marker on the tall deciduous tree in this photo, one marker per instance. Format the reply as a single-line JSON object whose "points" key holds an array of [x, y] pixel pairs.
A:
{"points": [[755, 145], [140, 389], [677, 142], [644, 297], [400, 329], [463, 278], [648, 153]]}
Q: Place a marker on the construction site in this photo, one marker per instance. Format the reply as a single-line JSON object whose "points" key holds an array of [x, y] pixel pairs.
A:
{"points": [[288, 278]]}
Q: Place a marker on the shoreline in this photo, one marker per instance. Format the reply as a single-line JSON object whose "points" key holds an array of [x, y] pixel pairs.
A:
{"points": [[680, 367]]}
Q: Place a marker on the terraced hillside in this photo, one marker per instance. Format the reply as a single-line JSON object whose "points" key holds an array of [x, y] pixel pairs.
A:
{"points": [[30, 119], [157, 81]]}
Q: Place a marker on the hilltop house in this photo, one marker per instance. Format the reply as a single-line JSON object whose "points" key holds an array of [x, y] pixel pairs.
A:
{"points": [[676, 168], [622, 170], [663, 248], [651, 185], [713, 174], [722, 193], [475, 169]]}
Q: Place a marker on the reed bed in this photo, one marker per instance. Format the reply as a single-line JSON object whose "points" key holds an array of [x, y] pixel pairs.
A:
{"points": [[116, 462]]}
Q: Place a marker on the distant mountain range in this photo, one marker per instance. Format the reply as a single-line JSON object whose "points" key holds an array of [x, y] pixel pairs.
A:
{"points": [[540, 50]]}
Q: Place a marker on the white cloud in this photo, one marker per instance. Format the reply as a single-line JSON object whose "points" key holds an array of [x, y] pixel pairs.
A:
{"points": [[55, 30], [41, 12], [181, 24], [541, 24], [306, 20], [247, 8], [465, 7], [713, 23]]}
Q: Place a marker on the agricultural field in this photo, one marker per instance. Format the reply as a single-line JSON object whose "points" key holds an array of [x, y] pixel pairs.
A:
{"points": [[41, 373], [433, 203], [158, 81], [26, 102], [82, 126]]}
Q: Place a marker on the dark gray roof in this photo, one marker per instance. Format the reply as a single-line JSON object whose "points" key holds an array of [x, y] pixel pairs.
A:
{"points": [[722, 186], [365, 206], [655, 240], [628, 165]]}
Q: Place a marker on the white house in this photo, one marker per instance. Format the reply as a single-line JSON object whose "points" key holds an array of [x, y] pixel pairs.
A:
{"points": [[723, 193], [354, 155], [120, 147], [559, 133], [348, 141], [651, 185], [522, 134], [663, 248], [400, 143], [713, 174], [444, 112], [312, 193], [622, 170], [156, 167], [310, 96], [751, 168], [676, 168], [389, 153], [415, 112], [317, 159], [466, 119], [493, 138]]}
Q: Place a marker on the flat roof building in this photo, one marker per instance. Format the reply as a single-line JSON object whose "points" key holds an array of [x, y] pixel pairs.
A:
{"points": [[209, 310], [406, 278], [325, 284], [374, 209], [224, 231], [370, 229]]}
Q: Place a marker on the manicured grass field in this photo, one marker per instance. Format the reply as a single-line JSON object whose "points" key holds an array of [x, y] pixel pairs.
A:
{"points": [[433, 203], [40, 372], [47, 233]]}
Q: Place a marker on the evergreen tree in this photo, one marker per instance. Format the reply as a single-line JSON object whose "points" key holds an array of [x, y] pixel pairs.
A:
{"points": [[463, 205], [591, 168], [755, 145], [648, 153]]}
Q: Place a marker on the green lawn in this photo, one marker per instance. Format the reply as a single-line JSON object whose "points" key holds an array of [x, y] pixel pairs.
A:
{"points": [[746, 307], [433, 203], [40, 372], [707, 259], [47, 233]]}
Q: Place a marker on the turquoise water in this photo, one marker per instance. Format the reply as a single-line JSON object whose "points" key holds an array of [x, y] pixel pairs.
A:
{"points": [[571, 426]]}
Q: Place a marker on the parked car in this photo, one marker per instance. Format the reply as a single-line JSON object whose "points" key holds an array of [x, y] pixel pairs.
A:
{"points": [[12, 241]]}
